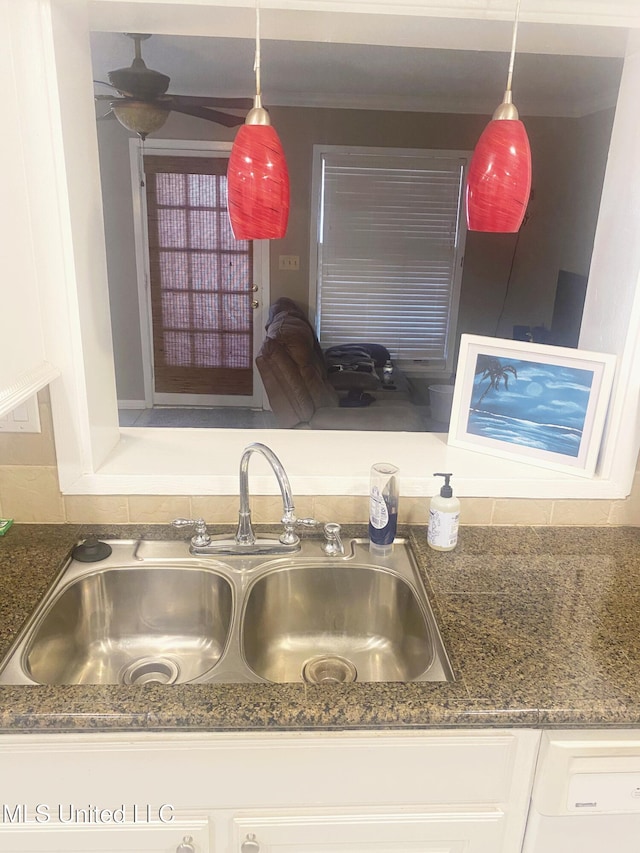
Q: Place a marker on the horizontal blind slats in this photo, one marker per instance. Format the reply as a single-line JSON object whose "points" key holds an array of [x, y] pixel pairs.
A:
{"points": [[387, 250]]}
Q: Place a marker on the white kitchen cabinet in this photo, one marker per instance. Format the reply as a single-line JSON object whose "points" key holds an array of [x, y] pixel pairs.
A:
{"points": [[426, 828], [25, 264], [183, 836], [324, 792]]}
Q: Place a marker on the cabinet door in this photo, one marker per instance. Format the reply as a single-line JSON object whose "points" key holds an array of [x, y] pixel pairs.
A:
{"points": [[429, 831], [183, 837], [25, 257]]}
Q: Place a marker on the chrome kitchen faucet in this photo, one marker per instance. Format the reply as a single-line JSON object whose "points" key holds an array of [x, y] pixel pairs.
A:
{"points": [[245, 540], [244, 533]]}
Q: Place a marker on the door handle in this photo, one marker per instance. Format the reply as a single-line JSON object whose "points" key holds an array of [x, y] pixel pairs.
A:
{"points": [[254, 303]]}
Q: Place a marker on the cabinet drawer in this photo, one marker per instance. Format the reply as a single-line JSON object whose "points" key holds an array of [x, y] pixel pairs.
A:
{"points": [[278, 770], [474, 830], [114, 839]]}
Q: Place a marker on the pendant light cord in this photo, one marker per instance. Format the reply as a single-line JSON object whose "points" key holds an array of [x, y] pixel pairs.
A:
{"points": [[507, 289], [513, 47], [256, 64]]}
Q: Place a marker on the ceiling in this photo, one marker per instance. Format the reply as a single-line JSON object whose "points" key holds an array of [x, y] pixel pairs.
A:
{"points": [[332, 74]]}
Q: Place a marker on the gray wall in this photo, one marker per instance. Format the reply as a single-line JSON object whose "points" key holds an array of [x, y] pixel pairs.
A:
{"points": [[569, 159]]}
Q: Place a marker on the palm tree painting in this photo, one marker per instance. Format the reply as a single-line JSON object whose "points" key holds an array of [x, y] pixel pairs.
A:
{"points": [[530, 403]]}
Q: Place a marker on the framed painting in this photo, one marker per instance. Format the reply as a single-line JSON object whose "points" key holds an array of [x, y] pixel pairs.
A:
{"points": [[531, 402]]}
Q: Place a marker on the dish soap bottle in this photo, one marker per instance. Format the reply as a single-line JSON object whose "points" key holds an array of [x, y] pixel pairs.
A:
{"points": [[383, 508], [444, 516]]}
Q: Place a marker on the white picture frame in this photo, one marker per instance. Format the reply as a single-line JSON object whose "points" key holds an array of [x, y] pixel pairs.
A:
{"points": [[535, 403]]}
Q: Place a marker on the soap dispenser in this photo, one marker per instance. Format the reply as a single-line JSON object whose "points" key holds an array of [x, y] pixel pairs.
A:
{"points": [[444, 516], [383, 508]]}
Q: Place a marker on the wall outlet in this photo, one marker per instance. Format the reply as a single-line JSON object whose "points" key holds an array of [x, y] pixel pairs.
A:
{"points": [[289, 262]]}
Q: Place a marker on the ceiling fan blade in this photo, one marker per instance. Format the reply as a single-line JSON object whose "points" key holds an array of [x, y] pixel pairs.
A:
{"points": [[205, 101], [104, 83], [209, 115]]}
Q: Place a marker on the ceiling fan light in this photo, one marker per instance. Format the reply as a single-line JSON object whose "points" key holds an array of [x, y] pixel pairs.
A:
{"points": [[258, 184], [499, 178], [139, 117]]}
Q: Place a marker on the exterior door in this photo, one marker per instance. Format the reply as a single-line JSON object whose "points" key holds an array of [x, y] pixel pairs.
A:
{"points": [[201, 285]]}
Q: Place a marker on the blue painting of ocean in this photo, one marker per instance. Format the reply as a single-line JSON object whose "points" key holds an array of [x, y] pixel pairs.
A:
{"points": [[530, 404]]}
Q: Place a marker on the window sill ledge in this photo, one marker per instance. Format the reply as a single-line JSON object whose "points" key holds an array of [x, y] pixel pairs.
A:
{"points": [[206, 462]]}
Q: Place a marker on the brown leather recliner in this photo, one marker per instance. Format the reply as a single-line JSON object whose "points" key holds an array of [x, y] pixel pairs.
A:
{"points": [[295, 377]]}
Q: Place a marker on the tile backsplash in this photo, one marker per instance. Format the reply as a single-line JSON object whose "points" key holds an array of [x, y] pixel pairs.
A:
{"points": [[29, 493]]}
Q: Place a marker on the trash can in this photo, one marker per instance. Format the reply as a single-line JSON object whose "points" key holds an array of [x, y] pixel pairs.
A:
{"points": [[441, 398]]}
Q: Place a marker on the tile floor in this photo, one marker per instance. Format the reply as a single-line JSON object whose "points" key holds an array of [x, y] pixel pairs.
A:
{"points": [[231, 417], [201, 417], [223, 418]]}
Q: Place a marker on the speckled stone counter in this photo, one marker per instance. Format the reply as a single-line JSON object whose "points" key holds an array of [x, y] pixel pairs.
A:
{"points": [[542, 626]]}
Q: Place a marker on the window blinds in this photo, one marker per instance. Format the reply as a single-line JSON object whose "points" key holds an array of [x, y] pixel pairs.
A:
{"points": [[390, 250]]}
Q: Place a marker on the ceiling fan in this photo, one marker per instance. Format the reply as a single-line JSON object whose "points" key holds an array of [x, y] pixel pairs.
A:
{"points": [[144, 103]]}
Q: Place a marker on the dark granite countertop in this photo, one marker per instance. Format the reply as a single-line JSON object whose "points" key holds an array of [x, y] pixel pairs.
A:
{"points": [[542, 626]]}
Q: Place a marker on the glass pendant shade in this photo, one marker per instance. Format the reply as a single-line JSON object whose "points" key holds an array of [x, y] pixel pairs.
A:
{"points": [[139, 116], [257, 175], [499, 178], [258, 184]]}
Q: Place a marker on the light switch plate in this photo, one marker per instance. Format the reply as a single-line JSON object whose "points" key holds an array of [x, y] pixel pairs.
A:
{"points": [[24, 418], [289, 262]]}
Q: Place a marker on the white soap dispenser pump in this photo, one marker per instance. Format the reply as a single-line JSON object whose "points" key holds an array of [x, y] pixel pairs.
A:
{"points": [[444, 517]]}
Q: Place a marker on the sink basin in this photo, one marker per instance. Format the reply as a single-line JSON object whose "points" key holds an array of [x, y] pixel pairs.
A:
{"points": [[335, 623], [152, 612], [132, 626]]}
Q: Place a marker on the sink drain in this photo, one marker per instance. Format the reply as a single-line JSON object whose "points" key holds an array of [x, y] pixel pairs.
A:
{"points": [[151, 671], [329, 669]]}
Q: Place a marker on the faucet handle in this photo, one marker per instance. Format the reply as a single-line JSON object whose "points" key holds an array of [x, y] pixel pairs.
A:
{"points": [[290, 522], [200, 538], [307, 522]]}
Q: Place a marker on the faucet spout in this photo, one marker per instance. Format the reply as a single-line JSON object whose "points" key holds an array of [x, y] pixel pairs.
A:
{"points": [[244, 533]]}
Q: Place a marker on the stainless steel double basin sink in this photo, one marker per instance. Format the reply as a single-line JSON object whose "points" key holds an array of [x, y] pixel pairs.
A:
{"points": [[152, 612]]}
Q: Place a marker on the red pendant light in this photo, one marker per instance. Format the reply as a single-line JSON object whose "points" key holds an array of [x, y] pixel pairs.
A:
{"points": [[499, 178], [257, 174]]}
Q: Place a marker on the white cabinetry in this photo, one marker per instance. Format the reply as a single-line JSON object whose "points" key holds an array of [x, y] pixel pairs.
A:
{"points": [[427, 829], [23, 264], [183, 836], [387, 792]]}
